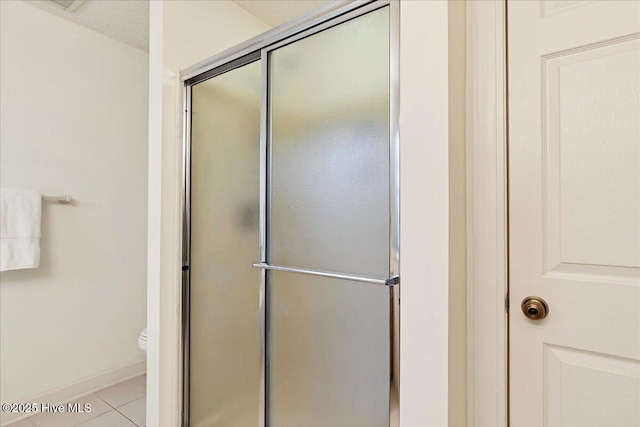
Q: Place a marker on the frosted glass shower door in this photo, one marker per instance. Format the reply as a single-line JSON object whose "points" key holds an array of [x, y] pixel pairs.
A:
{"points": [[329, 338], [224, 350]]}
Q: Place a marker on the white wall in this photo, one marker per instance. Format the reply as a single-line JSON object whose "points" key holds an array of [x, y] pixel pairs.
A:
{"points": [[73, 115], [182, 33], [424, 213], [195, 30]]}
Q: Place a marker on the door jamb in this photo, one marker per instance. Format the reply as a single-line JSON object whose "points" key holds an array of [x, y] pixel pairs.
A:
{"points": [[487, 249]]}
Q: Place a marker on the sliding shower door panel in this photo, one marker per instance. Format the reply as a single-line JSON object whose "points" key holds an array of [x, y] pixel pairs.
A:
{"points": [[328, 212], [329, 357], [329, 123], [224, 369]]}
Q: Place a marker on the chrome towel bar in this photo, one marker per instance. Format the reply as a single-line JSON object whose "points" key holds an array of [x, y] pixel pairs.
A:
{"points": [[394, 280], [64, 199]]}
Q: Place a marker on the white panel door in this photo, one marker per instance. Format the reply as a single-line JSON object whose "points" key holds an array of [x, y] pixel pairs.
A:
{"points": [[574, 212]]}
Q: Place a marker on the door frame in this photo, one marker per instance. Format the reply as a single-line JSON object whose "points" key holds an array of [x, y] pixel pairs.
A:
{"points": [[424, 217], [487, 216]]}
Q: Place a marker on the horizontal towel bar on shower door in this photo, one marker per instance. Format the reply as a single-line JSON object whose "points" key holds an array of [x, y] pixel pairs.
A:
{"points": [[388, 282]]}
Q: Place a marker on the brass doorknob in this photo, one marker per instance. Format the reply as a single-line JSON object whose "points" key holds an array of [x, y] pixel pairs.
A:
{"points": [[535, 308]]}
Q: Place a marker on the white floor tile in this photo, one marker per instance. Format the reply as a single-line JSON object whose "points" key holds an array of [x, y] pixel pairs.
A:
{"points": [[136, 411], [22, 423], [112, 418], [69, 419], [124, 392]]}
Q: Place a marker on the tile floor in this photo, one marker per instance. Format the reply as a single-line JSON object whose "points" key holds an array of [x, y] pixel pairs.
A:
{"points": [[120, 405]]}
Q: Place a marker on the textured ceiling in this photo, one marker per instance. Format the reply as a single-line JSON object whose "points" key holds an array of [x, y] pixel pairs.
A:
{"points": [[276, 12], [123, 20], [128, 20]]}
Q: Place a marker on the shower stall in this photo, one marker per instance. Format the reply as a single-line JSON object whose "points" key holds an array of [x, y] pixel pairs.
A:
{"points": [[291, 233]]}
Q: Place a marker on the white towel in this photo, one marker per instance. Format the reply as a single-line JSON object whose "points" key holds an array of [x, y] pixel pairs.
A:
{"points": [[20, 212]]}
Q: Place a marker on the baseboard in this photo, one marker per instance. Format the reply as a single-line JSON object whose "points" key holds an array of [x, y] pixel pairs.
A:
{"points": [[80, 388]]}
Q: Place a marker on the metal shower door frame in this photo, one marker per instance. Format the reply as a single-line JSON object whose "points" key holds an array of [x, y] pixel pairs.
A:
{"points": [[258, 48]]}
